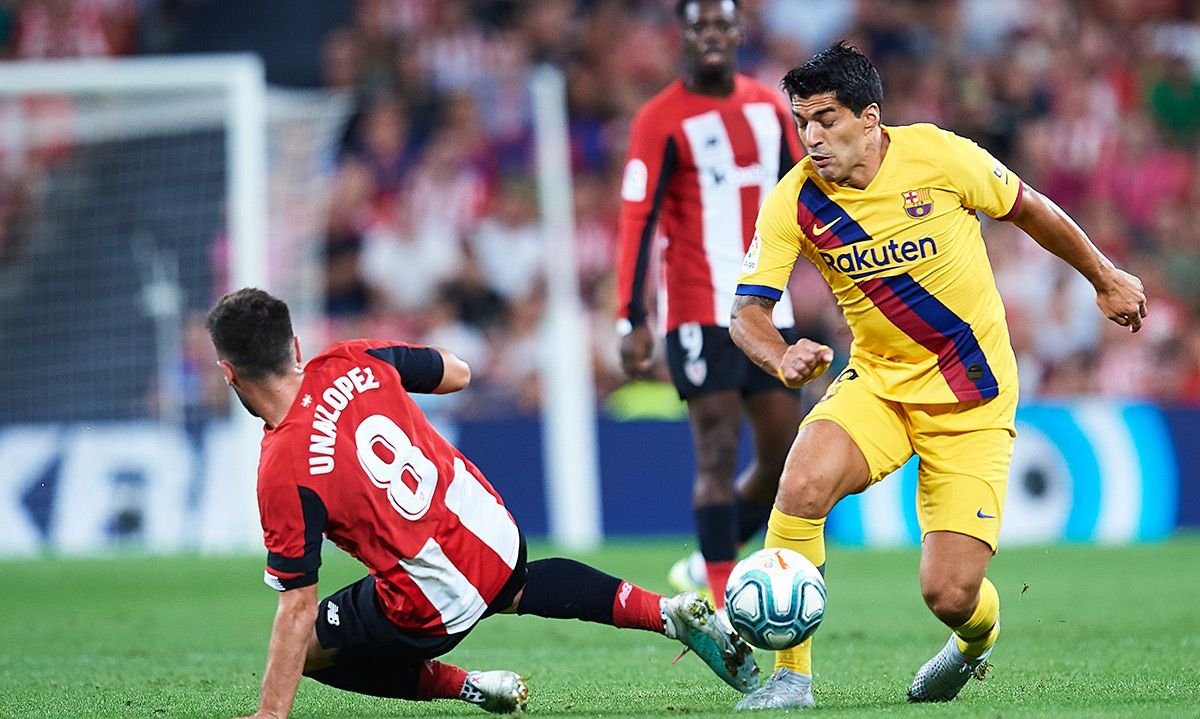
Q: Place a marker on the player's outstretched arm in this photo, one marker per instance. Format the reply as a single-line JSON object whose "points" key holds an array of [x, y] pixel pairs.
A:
{"points": [[1119, 294], [753, 330], [294, 624]]}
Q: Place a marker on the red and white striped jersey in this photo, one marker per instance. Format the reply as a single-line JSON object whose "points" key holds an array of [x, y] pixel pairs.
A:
{"points": [[356, 460], [699, 167]]}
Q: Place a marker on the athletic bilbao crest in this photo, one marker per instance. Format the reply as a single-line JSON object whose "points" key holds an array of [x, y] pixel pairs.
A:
{"points": [[917, 203]]}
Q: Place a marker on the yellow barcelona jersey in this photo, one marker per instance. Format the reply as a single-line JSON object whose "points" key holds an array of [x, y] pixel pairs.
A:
{"points": [[906, 261]]}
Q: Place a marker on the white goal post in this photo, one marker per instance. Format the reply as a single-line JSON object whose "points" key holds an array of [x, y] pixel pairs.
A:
{"points": [[568, 387]]}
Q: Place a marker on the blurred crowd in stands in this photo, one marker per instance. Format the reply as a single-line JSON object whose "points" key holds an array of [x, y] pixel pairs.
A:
{"points": [[433, 221]]}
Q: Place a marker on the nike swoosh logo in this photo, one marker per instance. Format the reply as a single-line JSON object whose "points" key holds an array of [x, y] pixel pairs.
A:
{"points": [[819, 230], [981, 515]]}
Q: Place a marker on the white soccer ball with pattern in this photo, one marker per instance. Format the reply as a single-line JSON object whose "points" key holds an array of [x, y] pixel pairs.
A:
{"points": [[775, 598]]}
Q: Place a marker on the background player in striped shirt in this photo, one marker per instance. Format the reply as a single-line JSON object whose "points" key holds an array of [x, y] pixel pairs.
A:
{"points": [[347, 455], [703, 154], [890, 217]]}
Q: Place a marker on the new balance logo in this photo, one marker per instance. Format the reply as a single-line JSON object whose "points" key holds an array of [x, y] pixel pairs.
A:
{"points": [[981, 515], [623, 595], [331, 614], [819, 230]]}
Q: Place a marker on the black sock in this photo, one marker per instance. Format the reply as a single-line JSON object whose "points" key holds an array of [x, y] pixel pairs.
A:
{"points": [[371, 673], [590, 595], [751, 518], [716, 527]]}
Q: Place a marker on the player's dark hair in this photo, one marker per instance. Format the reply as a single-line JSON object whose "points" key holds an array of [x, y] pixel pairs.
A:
{"points": [[681, 7], [252, 331], [841, 70]]}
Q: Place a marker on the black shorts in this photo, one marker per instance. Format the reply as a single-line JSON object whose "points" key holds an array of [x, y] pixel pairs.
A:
{"points": [[356, 622], [703, 359]]}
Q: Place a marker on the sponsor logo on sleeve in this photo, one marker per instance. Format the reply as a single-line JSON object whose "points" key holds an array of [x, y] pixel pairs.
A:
{"points": [[750, 261], [633, 186]]}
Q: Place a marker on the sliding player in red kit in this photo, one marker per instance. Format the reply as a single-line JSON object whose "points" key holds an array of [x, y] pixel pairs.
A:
{"points": [[703, 154], [347, 455]]}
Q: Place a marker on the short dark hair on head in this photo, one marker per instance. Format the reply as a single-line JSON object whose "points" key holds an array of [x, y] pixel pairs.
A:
{"points": [[841, 70], [681, 7], [252, 331]]}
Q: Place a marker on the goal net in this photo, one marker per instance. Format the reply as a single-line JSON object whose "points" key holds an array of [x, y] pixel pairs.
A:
{"points": [[132, 194]]}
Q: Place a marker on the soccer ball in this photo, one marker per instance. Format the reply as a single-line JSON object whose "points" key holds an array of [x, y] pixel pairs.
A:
{"points": [[775, 598]]}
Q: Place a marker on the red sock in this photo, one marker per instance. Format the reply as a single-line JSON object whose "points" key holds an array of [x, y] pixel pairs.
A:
{"points": [[718, 577], [636, 608], [440, 681]]}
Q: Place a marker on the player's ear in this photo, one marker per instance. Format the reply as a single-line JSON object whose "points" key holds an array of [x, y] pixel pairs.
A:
{"points": [[871, 116], [228, 371], [296, 345]]}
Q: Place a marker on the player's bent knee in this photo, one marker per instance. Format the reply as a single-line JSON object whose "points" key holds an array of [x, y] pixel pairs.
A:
{"points": [[952, 605], [806, 497]]}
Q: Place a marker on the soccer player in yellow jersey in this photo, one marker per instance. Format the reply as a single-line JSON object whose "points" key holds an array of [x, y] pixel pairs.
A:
{"points": [[889, 215]]}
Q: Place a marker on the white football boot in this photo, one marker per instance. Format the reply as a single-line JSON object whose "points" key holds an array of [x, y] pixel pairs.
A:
{"points": [[692, 620], [498, 691], [944, 676], [785, 689]]}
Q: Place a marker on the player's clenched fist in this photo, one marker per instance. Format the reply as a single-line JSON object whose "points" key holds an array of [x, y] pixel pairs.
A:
{"points": [[1122, 299], [803, 362]]}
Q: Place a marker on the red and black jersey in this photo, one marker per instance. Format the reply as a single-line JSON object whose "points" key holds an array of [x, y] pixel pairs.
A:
{"points": [[356, 460], [699, 167]]}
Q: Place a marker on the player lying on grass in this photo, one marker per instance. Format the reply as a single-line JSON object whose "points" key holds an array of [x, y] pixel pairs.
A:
{"points": [[348, 455], [890, 216]]}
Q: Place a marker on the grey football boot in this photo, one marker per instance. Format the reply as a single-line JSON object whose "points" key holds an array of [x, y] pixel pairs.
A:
{"points": [[785, 689], [944, 676]]}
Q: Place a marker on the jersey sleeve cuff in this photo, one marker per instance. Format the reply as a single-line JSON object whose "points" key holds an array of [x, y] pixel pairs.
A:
{"points": [[1016, 203], [283, 582], [760, 291]]}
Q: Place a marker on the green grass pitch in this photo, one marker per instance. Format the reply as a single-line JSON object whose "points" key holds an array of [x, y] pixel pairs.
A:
{"points": [[1088, 632]]}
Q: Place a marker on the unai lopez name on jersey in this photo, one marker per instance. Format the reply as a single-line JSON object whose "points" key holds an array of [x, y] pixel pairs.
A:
{"points": [[338, 395]]}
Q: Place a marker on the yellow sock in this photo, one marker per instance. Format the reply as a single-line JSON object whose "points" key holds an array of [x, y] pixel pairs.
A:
{"points": [[982, 629], [806, 536]]}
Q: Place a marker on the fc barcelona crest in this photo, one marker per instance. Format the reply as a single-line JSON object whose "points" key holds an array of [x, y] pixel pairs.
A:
{"points": [[918, 203]]}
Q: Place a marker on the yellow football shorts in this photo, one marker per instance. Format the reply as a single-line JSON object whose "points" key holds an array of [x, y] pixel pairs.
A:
{"points": [[964, 450]]}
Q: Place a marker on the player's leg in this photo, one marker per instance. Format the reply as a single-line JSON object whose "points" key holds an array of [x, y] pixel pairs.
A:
{"points": [[774, 413], [354, 647], [716, 422], [824, 466], [566, 589], [957, 592], [708, 371], [850, 439], [960, 500]]}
